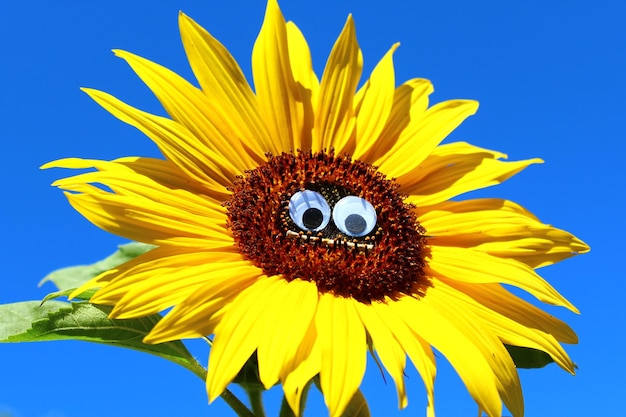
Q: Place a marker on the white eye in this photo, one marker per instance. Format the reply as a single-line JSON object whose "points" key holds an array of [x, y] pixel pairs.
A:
{"points": [[309, 210], [354, 216]]}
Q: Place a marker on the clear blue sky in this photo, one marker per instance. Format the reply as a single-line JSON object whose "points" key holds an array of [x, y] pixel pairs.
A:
{"points": [[550, 77]]}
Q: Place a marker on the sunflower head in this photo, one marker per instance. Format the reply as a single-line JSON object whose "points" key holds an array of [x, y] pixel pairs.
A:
{"points": [[308, 219]]}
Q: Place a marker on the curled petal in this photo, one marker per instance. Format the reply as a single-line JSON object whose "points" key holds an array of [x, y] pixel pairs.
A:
{"points": [[500, 228], [410, 101], [284, 103], [456, 168], [375, 104], [199, 313], [142, 208], [334, 116], [472, 266], [422, 134], [286, 327], [238, 333], [223, 82], [176, 142]]}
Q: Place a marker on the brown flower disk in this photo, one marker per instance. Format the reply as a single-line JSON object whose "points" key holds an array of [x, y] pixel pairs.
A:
{"points": [[386, 262]]}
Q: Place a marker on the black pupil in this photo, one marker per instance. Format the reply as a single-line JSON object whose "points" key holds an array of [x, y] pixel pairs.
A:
{"points": [[355, 224], [312, 218]]}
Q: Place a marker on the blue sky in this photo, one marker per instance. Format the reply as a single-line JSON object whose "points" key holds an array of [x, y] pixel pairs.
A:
{"points": [[550, 77]]}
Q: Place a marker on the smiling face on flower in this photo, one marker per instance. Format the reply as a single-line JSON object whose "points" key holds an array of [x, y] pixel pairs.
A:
{"points": [[307, 219], [332, 221]]}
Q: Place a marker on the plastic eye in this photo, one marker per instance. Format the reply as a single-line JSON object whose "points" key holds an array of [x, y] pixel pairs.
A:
{"points": [[309, 210], [354, 216]]}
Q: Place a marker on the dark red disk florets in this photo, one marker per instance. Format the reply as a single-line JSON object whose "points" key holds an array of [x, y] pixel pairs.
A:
{"points": [[388, 261]]}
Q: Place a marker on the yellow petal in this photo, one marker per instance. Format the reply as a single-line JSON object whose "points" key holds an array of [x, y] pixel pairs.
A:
{"points": [[410, 101], [497, 298], [199, 313], [226, 87], [143, 209], [300, 60], [342, 342], [238, 333], [505, 208], [305, 77], [457, 168], [374, 109], [334, 116], [516, 334], [299, 371], [135, 177], [156, 285], [413, 344], [500, 228], [107, 276], [157, 256], [389, 350], [457, 308], [422, 135], [286, 325], [159, 170], [175, 141], [465, 351], [190, 107], [149, 222], [471, 266], [283, 103]]}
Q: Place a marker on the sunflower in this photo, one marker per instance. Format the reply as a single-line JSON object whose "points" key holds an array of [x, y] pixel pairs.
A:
{"points": [[308, 221]]}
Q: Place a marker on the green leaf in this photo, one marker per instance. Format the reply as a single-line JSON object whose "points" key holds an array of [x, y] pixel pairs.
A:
{"points": [[86, 295], [75, 276], [528, 358], [32, 321], [248, 376]]}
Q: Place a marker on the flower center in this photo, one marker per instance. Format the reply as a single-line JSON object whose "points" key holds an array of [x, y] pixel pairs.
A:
{"points": [[330, 220]]}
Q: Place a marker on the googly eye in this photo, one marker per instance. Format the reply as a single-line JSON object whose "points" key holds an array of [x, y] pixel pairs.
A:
{"points": [[309, 210], [354, 216]]}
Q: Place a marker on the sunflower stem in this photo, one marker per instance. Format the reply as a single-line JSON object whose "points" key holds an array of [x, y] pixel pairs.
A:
{"points": [[236, 404], [285, 409], [256, 401], [230, 398]]}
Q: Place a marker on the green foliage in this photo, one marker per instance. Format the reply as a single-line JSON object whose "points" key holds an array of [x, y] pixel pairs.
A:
{"points": [[32, 321], [248, 377], [85, 296], [528, 358]]}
